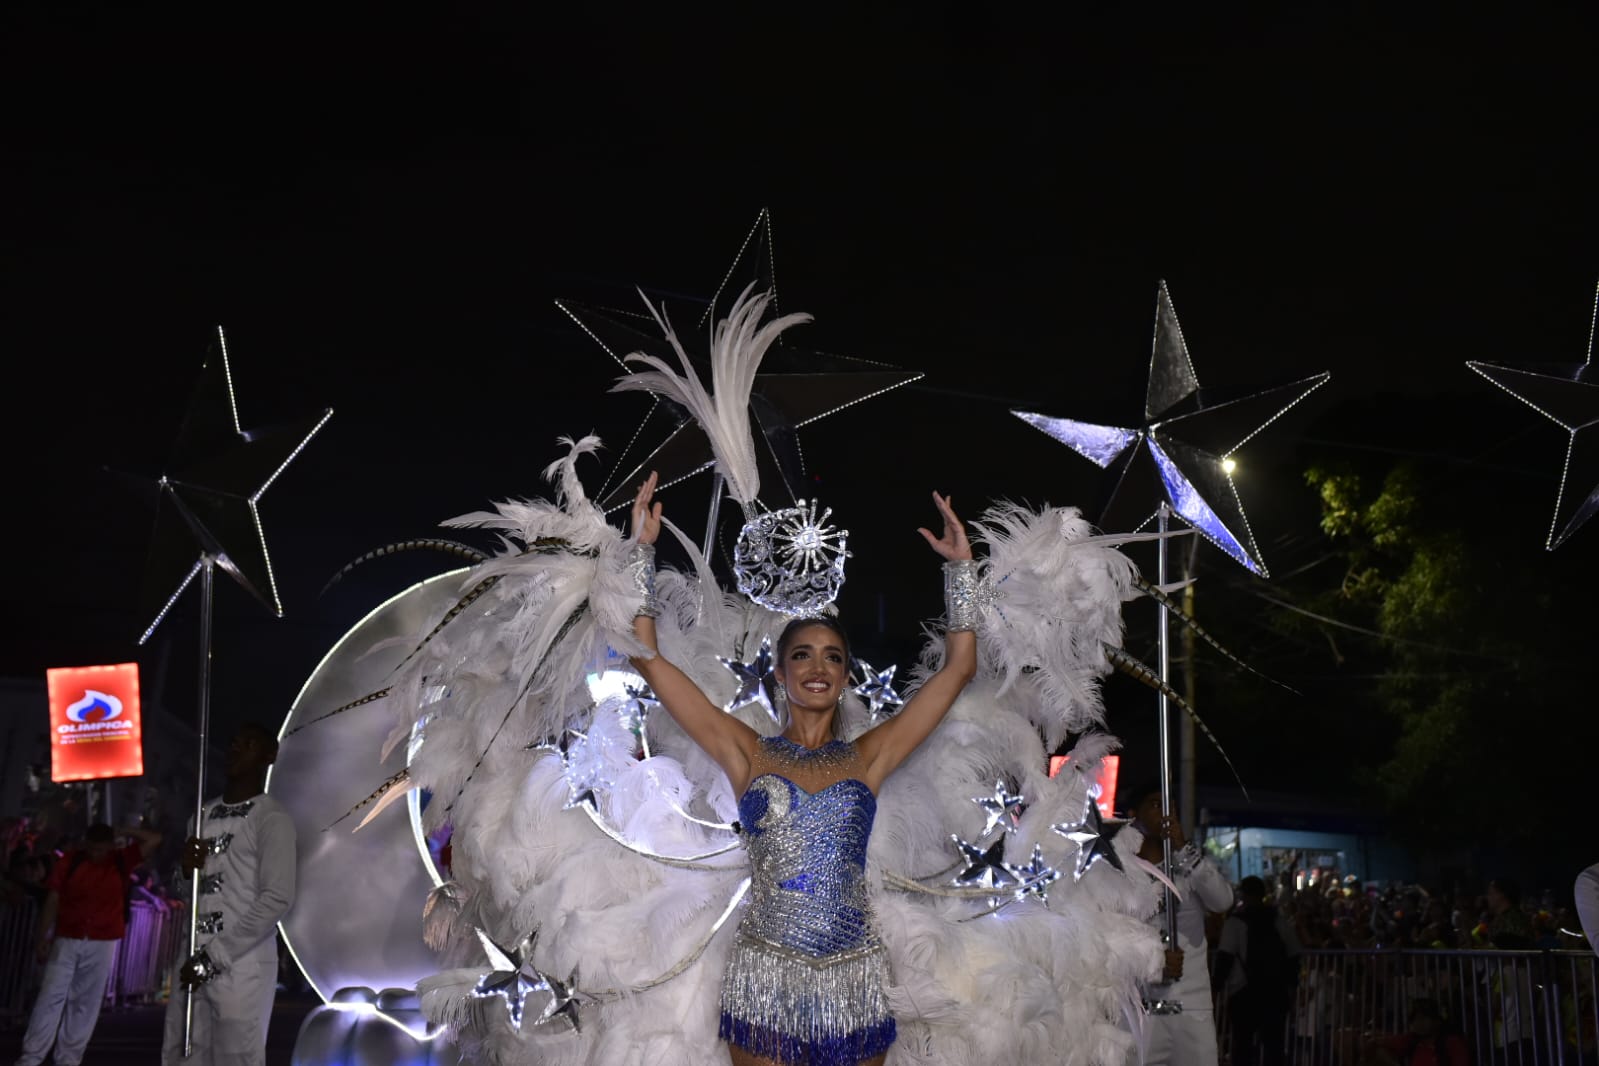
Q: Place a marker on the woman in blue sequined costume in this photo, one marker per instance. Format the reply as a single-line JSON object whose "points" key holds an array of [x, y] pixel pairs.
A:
{"points": [[805, 983]]}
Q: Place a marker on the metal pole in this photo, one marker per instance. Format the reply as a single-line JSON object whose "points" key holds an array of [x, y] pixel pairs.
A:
{"points": [[207, 588], [1163, 517], [718, 489], [1187, 776]]}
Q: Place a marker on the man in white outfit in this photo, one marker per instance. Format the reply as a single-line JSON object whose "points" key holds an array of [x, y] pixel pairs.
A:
{"points": [[86, 911], [246, 859], [1187, 1037]]}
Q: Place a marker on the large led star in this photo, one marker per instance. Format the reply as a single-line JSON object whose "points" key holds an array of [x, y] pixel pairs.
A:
{"points": [[877, 689], [211, 491], [1187, 440], [1569, 397], [794, 389]]}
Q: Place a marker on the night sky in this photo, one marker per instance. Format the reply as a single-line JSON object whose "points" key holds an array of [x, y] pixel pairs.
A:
{"points": [[381, 213]]}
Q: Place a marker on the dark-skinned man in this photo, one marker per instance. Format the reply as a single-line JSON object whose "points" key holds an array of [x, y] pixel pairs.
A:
{"points": [[245, 852]]}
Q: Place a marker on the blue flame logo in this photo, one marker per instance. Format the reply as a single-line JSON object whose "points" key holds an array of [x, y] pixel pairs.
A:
{"points": [[95, 707]]}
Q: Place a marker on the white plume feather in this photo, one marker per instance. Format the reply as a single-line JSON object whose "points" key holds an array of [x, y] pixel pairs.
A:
{"points": [[738, 343]]}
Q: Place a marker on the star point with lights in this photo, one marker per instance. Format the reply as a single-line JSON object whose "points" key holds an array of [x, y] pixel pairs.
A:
{"points": [[1568, 396], [877, 689], [985, 868], [1088, 833], [1002, 809], [210, 494], [1184, 447], [509, 976], [795, 388], [751, 677], [1035, 877]]}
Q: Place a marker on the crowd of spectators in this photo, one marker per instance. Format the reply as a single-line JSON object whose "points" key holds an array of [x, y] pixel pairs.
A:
{"points": [[1341, 913]]}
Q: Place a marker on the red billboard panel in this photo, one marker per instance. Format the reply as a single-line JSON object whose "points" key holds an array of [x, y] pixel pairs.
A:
{"points": [[1109, 770], [94, 722]]}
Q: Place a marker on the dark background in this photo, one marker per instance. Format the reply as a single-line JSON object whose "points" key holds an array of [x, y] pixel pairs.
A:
{"points": [[382, 209]]}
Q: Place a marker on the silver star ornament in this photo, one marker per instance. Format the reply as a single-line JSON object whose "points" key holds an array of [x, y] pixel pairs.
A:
{"points": [[751, 678], [1002, 809], [1088, 833], [878, 690], [985, 869], [509, 978]]}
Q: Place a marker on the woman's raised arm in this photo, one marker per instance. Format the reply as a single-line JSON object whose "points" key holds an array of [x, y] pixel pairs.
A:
{"points": [[891, 743], [724, 738]]}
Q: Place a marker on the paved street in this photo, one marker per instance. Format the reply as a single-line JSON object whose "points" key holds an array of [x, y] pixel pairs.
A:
{"points": [[132, 1036]]}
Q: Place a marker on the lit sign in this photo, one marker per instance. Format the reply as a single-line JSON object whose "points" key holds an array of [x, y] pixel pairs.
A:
{"points": [[1109, 771], [94, 722]]}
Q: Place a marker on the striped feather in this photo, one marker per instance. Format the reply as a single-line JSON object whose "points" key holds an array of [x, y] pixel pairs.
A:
{"points": [[434, 544], [376, 795], [1175, 609], [1133, 668]]}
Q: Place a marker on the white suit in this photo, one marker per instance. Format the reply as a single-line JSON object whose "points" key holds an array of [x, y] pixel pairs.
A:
{"points": [[1188, 1038], [247, 885]]}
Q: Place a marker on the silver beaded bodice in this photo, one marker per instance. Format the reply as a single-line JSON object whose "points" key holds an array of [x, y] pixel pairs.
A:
{"points": [[807, 821]]}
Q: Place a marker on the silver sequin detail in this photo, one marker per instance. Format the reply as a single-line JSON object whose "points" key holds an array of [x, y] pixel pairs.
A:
{"points": [[1186, 860], [966, 595], [210, 884], [808, 962], [231, 810], [218, 844], [641, 568], [210, 923]]}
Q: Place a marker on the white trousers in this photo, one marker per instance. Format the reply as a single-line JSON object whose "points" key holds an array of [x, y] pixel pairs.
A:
{"points": [[1186, 1039], [69, 1001], [231, 1012]]}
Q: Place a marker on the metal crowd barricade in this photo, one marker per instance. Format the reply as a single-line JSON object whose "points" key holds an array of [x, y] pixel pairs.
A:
{"points": [[19, 927], [1516, 1008], [143, 956]]}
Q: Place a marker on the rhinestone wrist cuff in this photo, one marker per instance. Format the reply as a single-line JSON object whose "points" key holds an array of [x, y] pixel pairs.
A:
{"points": [[962, 605], [641, 566]]}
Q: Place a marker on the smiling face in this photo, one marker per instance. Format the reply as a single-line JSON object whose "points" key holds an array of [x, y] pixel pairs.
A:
{"points": [[814, 668]]}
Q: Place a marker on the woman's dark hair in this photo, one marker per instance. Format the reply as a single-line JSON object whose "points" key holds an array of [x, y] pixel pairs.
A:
{"points": [[792, 630]]}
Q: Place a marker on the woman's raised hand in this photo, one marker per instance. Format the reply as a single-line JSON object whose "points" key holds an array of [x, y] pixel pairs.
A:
{"points": [[646, 513], [952, 545]]}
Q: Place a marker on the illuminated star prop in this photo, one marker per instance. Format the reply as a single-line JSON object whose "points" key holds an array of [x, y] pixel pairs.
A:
{"points": [[985, 869], [1569, 397], [1002, 808], [581, 774], [510, 977], [794, 389], [211, 491], [1035, 877], [1187, 440], [750, 677], [1088, 833], [878, 690], [563, 1001]]}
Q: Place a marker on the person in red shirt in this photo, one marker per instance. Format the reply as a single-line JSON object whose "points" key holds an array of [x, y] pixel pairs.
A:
{"points": [[86, 908], [1425, 1044]]}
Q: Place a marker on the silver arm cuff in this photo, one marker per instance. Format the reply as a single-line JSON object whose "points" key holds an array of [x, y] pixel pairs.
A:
{"points": [[963, 604], [641, 566], [1187, 859]]}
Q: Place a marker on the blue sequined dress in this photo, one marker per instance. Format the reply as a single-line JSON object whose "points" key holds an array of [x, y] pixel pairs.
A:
{"points": [[805, 981]]}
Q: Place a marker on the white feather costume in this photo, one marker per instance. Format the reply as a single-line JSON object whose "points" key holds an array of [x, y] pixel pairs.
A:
{"points": [[623, 865]]}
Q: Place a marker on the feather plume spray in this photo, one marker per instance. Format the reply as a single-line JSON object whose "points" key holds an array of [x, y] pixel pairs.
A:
{"points": [[433, 544], [394, 786], [472, 596], [738, 343], [1182, 617], [1133, 668]]}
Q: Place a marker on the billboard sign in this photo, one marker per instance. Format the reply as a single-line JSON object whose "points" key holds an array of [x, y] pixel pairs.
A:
{"points": [[94, 722]]}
